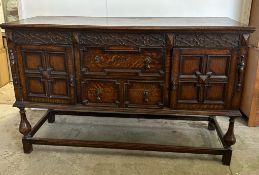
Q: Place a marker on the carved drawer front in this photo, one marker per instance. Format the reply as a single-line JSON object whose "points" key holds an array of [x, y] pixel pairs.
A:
{"points": [[47, 74], [99, 92], [201, 78], [149, 94], [140, 62]]}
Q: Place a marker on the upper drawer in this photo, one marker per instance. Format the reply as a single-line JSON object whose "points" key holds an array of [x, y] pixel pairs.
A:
{"points": [[141, 62]]}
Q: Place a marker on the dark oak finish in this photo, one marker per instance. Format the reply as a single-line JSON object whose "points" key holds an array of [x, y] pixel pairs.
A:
{"points": [[170, 68]]}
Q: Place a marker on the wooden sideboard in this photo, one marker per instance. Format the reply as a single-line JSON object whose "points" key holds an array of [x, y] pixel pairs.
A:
{"points": [[173, 68], [249, 104]]}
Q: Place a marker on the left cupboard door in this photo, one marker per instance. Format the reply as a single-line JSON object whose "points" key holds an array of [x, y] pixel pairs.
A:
{"points": [[47, 74]]}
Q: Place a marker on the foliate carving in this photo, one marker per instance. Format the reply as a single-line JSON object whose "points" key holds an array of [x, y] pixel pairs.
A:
{"points": [[42, 37], [207, 40], [11, 57], [122, 39], [241, 69]]}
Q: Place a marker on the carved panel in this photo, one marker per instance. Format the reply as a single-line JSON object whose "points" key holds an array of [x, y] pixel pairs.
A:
{"points": [[122, 39], [207, 40], [41, 37], [144, 94], [143, 62]]}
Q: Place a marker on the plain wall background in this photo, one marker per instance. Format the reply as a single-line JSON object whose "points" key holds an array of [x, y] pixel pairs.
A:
{"points": [[133, 8]]}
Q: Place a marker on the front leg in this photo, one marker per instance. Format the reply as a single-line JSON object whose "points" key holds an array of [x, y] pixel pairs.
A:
{"points": [[229, 139], [51, 118], [25, 128]]}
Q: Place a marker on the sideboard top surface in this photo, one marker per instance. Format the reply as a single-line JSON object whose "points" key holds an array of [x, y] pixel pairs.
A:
{"points": [[131, 23]]}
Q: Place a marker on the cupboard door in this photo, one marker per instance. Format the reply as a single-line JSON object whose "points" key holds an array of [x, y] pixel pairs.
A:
{"points": [[47, 73], [201, 78]]}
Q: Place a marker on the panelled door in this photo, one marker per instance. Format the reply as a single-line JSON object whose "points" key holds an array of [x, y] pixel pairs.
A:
{"points": [[200, 78], [47, 73]]}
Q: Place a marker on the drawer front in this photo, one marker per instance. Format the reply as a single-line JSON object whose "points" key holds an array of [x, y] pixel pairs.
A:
{"points": [[47, 74], [148, 94], [202, 78], [100, 92], [140, 62]]}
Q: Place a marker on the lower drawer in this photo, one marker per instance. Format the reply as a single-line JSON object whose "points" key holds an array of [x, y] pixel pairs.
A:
{"points": [[122, 93], [100, 92], [144, 94]]}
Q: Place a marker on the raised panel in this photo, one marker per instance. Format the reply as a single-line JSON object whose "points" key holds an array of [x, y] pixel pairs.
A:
{"points": [[35, 87], [190, 63], [59, 88], [188, 92], [218, 64], [144, 94], [57, 61], [216, 92], [141, 62], [33, 59], [96, 92]]}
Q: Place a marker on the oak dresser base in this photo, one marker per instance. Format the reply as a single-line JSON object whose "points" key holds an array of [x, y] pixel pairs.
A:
{"points": [[154, 68], [227, 140]]}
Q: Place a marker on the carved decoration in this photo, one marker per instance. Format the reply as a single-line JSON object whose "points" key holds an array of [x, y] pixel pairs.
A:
{"points": [[241, 69], [11, 57], [122, 39], [207, 40], [16, 80], [42, 37], [147, 62], [203, 83]]}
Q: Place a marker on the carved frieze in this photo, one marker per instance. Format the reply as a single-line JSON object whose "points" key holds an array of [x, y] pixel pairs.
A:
{"points": [[41, 37], [207, 40], [122, 39]]}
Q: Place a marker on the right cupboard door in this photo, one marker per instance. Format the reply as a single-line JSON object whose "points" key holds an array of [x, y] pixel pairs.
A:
{"points": [[203, 78]]}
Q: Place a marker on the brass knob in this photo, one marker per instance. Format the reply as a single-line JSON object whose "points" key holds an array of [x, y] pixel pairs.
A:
{"points": [[98, 93], [98, 59], [146, 96], [147, 62]]}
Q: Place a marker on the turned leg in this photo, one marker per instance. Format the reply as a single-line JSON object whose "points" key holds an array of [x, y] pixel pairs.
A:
{"points": [[25, 126], [51, 118], [24, 129], [229, 139], [211, 125]]}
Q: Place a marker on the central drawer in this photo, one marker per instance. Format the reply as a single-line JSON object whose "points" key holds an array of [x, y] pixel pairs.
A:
{"points": [[136, 62]]}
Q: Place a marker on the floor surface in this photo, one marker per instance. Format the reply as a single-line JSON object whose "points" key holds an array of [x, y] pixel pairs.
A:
{"points": [[90, 161]]}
